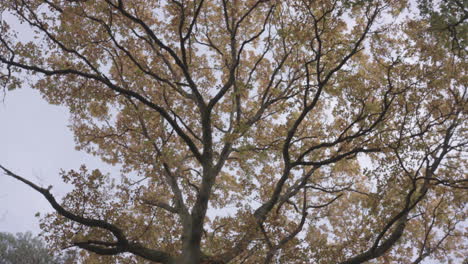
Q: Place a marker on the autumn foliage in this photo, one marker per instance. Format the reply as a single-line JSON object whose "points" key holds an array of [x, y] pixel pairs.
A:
{"points": [[253, 131]]}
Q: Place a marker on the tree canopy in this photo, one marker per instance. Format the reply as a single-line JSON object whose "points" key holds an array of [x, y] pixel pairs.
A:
{"points": [[253, 131], [25, 248]]}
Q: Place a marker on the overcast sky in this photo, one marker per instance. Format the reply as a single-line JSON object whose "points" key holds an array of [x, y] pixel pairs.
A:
{"points": [[35, 143]]}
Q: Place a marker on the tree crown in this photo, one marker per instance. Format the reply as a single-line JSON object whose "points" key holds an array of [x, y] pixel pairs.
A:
{"points": [[253, 131]]}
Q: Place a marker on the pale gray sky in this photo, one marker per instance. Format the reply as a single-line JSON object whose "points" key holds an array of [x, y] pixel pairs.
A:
{"points": [[35, 143]]}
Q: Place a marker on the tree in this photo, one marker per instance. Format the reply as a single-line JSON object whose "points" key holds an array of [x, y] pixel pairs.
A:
{"points": [[447, 18], [251, 131], [26, 249]]}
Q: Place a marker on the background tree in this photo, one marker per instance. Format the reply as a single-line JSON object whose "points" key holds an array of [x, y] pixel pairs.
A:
{"points": [[448, 19], [251, 131], [27, 249]]}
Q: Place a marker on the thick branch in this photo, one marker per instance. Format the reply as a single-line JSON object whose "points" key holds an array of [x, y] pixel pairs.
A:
{"points": [[122, 245]]}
